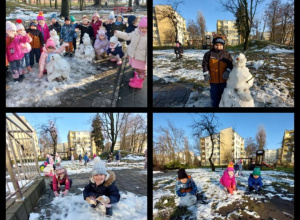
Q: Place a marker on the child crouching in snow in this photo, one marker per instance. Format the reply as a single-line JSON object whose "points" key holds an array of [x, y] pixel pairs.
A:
{"points": [[48, 50], [115, 51], [255, 181], [228, 179], [101, 45], [101, 189], [60, 178]]}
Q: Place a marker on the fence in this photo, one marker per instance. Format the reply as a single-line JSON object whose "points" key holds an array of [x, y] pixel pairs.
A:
{"points": [[21, 157]]}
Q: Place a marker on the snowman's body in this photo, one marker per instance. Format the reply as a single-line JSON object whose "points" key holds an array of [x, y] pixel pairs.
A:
{"points": [[237, 93], [85, 51], [57, 68], [55, 37]]}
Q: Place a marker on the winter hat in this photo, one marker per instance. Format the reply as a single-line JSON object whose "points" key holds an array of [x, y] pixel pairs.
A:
{"points": [[113, 39], [50, 43], [101, 32], [97, 159], [59, 169], [111, 15], [181, 174], [256, 171], [53, 16], [218, 38], [120, 16], [67, 18], [143, 22], [230, 166], [33, 23], [85, 18], [40, 16], [10, 26], [72, 18], [19, 24], [99, 168], [131, 19], [95, 14]]}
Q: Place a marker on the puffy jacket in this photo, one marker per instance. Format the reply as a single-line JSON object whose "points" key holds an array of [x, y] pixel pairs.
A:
{"points": [[226, 180], [107, 188], [67, 33], [85, 158], [13, 48], [45, 31], [37, 38], [65, 180], [118, 156], [85, 29], [118, 51], [108, 28], [25, 46], [56, 26], [181, 189], [44, 56], [252, 182], [95, 26], [138, 47], [115, 27], [101, 45], [178, 50], [216, 62], [80, 157]]}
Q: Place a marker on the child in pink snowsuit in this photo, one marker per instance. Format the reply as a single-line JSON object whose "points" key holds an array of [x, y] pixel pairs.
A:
{"points": [[96, 23], [137, 52], [60, 178], [48, 50], [228, 179], [42, 26]]}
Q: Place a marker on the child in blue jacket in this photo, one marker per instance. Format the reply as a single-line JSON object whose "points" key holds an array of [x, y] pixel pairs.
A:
{"points": [[67, 35], [115, 51], [255, 180], [185, 184]]}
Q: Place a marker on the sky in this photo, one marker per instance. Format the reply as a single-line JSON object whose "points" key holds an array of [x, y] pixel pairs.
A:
{"points": [[211, 10], [245, 124]]}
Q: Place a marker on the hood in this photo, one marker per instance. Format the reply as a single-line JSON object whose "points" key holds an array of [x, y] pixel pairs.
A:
{"points": [[110, 178], [131, 18]]}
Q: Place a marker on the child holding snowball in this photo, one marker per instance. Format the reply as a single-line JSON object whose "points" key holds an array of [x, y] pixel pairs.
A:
{"points": [[254, 181], [101, 188], [60, 178], [137, 52], [228, 179]]}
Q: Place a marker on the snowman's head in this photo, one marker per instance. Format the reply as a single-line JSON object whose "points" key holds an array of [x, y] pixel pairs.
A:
{"points": [[86, 39], [53, 33], [240, 60], [55, 57]]}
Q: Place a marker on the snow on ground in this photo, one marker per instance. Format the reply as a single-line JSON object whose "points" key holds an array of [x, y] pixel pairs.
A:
{"points": [[273, 50], [73, 207], [21, 183], [209, 183], [133, 157]]}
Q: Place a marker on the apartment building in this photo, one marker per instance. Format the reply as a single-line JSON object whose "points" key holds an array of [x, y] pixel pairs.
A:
{"points": [[228, 145], [271, 156], [81, 142], [287, 147], [228, 28]]}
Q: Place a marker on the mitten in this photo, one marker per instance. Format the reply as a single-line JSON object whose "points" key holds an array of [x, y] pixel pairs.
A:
{"points": [[230, 190], [91, 201], [206, 76], [225, 75], [103, 199], [65, 192], [56, 193], [256, 188], [233, 187]]}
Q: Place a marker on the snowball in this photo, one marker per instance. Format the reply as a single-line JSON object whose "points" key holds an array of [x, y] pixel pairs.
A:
{"points": [[187, 200]]}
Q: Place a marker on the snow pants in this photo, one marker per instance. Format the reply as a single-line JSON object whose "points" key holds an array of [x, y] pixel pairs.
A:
{"points": [[96, 195], [216, 91], [27, 59], [252, 188]]}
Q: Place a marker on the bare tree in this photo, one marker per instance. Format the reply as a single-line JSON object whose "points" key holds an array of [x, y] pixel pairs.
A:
{"points": [[65, 8], [194, 31], [272, 13], [261, 137], [255, 27], [55, 4], [187, 154], [251, 147], [201, 24], [49, 134], [124, 131], [264, 19], [228, 156], [287, 20], [206, 125]]}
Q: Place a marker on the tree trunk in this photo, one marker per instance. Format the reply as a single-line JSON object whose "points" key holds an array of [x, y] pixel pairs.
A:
{"points": [[212, 152], [64, 8], [55, 4], [50, 3], [44, 3]]}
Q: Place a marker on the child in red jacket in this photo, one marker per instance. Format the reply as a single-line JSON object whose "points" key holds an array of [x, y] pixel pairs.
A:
{"points": [[60, 178], [228, 179]]}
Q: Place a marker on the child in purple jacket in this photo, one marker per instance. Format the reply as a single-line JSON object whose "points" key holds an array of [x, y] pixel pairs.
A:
{"points": [[101, 45]]}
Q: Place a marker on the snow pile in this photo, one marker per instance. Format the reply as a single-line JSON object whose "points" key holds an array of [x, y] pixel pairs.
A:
{"points": [[273, 50], [85, 51], [188, 200], [57, 68], [256, 64], [134, 157]]}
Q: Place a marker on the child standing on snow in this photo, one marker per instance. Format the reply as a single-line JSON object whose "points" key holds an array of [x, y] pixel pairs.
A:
{"points": [[115, 52], [60, 178], [217, 64], [255, 180], [86, 159], [54, 24], [108, 24], [137, 52], [42, 26], [118, 157], [48, 50], [119, 25], [101, 188], [85, 27], [75, 25], [67, 35], [101, 45], [178, 50], [228, 179], [96, 23]]}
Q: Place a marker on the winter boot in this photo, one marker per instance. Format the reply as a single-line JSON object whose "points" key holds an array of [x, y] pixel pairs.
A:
{"points": [[16, 75], [109, 212], [66, 54], [113, 60], [119, 62], [138, 83], [134, 77], [70, 55], [29, 69]]}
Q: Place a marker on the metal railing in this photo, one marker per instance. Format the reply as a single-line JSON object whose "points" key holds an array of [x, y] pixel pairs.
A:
{"points": [[21, 157]]}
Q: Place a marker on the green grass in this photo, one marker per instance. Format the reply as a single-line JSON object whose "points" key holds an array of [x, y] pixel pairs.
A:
{"points": [[161, 203], [290, 170], [179, 212]]}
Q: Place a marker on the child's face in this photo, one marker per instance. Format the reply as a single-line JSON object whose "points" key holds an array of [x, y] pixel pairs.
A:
{"points": [[50, 49], [85, 22], [12, 32], [143, 30], [67, 22], [99, 179], [111, 44], [119, 19], [53, 20], [41, 22], [230, 173], [62, 175], [255, 176], [184, 180], [96, 18], [219, 46], [110, 20], [32, 27], [20, 31], [102, 37]]}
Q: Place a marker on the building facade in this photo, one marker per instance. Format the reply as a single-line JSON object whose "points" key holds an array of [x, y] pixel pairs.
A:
{"points": [[271, 156], [228, 28], [287, 147], [228, 145], [81, 142], [163, 30], [63, 149]]}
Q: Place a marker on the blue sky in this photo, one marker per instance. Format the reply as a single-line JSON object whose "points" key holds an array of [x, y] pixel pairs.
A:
{"points": [[246, 124], [211, 10]]}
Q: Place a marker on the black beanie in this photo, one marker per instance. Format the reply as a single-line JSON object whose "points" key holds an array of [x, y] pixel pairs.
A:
{"points": [[67, 18], [181, 174], [218, 40]]}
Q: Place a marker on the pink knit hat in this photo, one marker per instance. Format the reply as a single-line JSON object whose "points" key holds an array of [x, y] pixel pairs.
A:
{"points": [[143, 22], [19, 24], [50, 43], [40, 16], [230, 167]]}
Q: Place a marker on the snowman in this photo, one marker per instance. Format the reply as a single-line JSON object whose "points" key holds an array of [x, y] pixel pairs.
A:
{"points": [[85, 50], [237, 93], [48, 170], [57, 68], [55, 37]]}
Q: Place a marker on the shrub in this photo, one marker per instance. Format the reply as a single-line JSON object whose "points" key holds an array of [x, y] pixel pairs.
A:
{"points": [[177, 165]]}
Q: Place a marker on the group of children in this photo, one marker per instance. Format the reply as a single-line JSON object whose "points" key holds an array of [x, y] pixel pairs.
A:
{"points": [[35, 43], [185, 183]]}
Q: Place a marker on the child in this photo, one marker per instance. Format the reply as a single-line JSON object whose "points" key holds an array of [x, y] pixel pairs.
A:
{"points": [[109, 157], [115, 51], [54, 24], [185, 184], [67, 35], [48, 50], [36, 43], [13, 50], [72, 158], [80, 158], [60, 178], [25, 46], [228, 179], [132, 21], [85, 27], [137, 51], [119, 25], [178, 50], [57, 158], [101, 188], [108, 24], [86, 159], [75, 25], [240, 163], [101, 45], [42, 26], [217, 63], [255, 181], [96, 23], [118, 157], [145, 165]]}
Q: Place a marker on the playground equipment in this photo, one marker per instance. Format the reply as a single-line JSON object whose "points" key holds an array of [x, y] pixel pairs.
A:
{"points": [[121, 10], [260, 157], [246, 165]]}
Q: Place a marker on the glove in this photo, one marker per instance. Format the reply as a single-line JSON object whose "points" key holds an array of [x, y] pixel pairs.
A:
{"points": [[56, 193], [103, 200], [225, 75], [65, 192], [234, 188], [91, 201], [206, 76], [256, 188], [230, 190]]}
